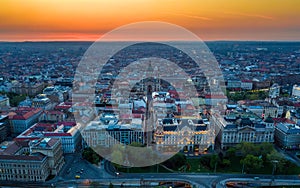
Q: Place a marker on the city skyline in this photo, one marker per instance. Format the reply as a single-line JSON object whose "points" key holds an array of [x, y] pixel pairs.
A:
{"points": [[209, 20]]}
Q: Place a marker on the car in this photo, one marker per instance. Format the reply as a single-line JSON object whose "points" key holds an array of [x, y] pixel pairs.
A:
{"points": [[77, 176]]}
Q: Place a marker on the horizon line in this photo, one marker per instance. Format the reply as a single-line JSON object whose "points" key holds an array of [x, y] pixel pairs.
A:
{"points": [[225, 40]]}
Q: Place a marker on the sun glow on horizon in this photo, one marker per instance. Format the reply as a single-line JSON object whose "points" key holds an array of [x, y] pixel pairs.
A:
{"points": [[89, 20]]}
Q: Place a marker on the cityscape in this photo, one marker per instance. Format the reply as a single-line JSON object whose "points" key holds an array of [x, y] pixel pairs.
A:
{"points": [[149, 103]]}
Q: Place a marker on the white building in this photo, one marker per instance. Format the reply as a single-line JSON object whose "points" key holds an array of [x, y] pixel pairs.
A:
{"points": [[191, 135], [110, 131], [246, 85], [244, 130], [296, 91], [67, 132], [274, 91], [287, 136]]}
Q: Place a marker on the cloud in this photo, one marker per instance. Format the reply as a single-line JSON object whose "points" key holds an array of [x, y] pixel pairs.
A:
{"points": [[250, 15], [189, 16]]}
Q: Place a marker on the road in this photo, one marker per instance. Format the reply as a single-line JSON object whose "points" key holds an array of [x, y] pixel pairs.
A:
{"points": [[106, 173]]}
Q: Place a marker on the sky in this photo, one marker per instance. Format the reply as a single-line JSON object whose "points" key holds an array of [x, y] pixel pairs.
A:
{"points": [[80, 20]]}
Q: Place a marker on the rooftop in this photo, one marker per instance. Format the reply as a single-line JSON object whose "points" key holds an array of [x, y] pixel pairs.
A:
{"points": [[23, 113]]}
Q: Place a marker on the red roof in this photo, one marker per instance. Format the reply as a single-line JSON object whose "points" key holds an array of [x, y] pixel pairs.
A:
{"points": [[283, 120], [54, 112], [248, 81], [215, 96], [137, 115], [23, 113], [67, 123], [57, 134], [125, 116], [297, 105]]}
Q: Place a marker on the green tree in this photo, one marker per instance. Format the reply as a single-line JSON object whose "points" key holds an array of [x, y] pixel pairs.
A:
{"points": [[264, 149], [274, 155], [251, 162], [136, 144], [231, 152], [175, 162], [214, 160], [246, 148], [226, 163], [90, 155]]}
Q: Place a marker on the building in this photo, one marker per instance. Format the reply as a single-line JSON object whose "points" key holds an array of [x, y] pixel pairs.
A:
{"points": [[57, 94], [110, 131], [287, 135], [238, 125], [4, 127], [41, 101], [270, 111], [262, 109], [215, 99], [18, 164], [264, 84], [244, 130], [52, 148], [30, 89], [67, 132], [4, 101], [234, 84], [3, 132], [274, 91], [52, 116], [189, 135], [246, 85], [23, 118], [296, 91]]}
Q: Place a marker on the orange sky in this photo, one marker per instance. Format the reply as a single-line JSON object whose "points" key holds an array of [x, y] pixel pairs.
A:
{"points": [[209, 19]]}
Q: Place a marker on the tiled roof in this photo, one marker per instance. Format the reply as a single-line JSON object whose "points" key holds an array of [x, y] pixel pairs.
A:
{"points": [[33, 157], [23, 113]]}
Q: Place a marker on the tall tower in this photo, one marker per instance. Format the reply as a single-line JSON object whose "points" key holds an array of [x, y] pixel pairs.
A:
{"points": [[149, 116]]}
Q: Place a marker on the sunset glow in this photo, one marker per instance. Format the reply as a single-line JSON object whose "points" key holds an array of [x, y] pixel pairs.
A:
{"points": [[209, 19]]}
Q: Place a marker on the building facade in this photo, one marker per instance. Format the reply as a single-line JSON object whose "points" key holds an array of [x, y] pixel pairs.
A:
{"points": [[296, 91], [24, 168], [18, 164], [244, 130], [287, 136], [52, 148], [189, 135], [97, 134], [23, 118]]}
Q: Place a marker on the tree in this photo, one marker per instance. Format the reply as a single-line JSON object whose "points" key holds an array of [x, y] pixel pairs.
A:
{"points": [[251, 162], [264, 149], [175, 162], [230, 152], [90, 155], [246, 148], [214, 161], [274, 156], [226, 163], [205, 161], [136, 144]]}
